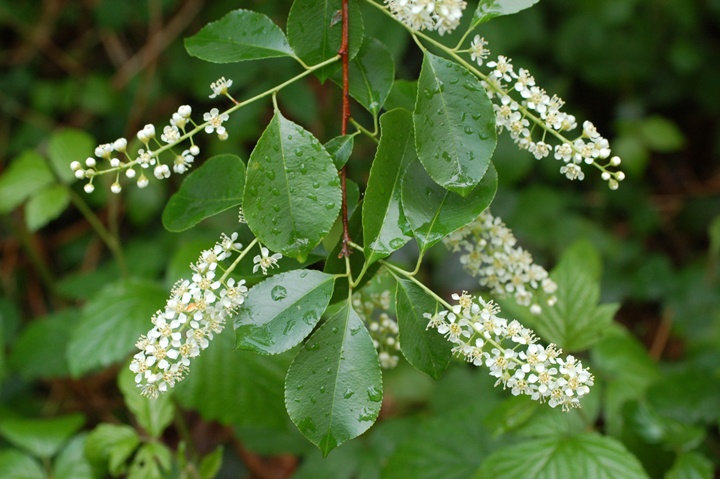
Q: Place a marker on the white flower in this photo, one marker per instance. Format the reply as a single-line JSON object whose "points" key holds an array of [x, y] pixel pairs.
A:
{"points": [[572, 172], [183, 162], [215, 121], [104, 151], [171, 134], [220, 87], [441, 15], [264, 262], [120, 145], [478, 50], [161, 172]]}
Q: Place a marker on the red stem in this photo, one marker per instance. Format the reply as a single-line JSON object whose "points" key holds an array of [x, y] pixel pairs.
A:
{"points": [[344, 53]]}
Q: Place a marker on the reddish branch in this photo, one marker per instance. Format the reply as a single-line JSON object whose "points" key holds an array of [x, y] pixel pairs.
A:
{"points": [[344, 53]]}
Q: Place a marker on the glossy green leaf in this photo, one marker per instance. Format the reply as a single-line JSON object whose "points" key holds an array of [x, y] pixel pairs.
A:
{"points": [[424, 348], [691, 465], [454, 121], [110, 446], [46, 205], [590, 456], [385, 227], [27, 174], [42, 438], [235, 387], [282, 310], [434, 212], [576, 321], [212, 188], [340, 148], [292, 191], [18, 465], [371, 75], [402, 95], [153, 415], [71, 463], [489, 9], [48, 361], [66, 146], [112, 322], [240, 35], [333, 390], [314, 31]]}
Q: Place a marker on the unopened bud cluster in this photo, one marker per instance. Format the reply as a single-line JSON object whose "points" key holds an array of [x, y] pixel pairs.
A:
{"points": [[441, 15], [511, 353], [181, 128], [490, 252], [373, 309]]}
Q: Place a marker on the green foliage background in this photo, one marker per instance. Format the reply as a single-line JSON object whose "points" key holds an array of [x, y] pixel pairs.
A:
{"points": [[645, 72]]}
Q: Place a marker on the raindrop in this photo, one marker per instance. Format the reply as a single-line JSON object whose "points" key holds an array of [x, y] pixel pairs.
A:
{"points": [[310, 317], [288, 327], [334, 330], [322, 389], [298, 152], [270, 174], [312, 346], [278, 293], [366, 414], [396, 243], [348, 393], [329, 206], [303, 169], [374, 394]]}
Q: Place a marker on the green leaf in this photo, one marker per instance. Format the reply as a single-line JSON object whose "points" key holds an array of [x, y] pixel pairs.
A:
{"points": [[425, 349], [402, 95], [235, 387], [333, 390], [714, 234], [454, 121], [282, 310], [27, 174], [385, 227], [17, 465], [340, 148], [152, 461], [371, 75], [66, 146], [292, 193], [111, 324], [576, 322], [661, 134], [589, 456], [238, 36], [655, 428], [153, 415], [46, 205], [42, 438], [489, 9], [314, 31], [434, 212], [210, 464], [71, 463], [110, 446], [214, 187], [691, 465], [48, 361]]}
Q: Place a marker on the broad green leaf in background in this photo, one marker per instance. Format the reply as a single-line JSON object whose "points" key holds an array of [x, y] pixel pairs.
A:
{"points": [[282, 310], [46, 205], [112, 321], [455, 133], [333, 390], [314, 30], [385, 227], [424, 348], [241, 388], [661, 134], [646, 422], [590, 456], [210, 464], [340, 148], [371, 75], [434, 212], [402, 95], [18, 465], [66, 146], [153, 415], [152, 461], [212, 188], [240, 35], [292, 189], [71, 463], [42, 438], [48, 361], [27, 174], [714, 234], [489, 9], [691, 465], [109, 446]]}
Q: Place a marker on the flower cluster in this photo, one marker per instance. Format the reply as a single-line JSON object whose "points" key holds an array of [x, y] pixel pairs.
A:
{"points": [[490, 252], [383, 328], [180, 128], [441, 15], [511, 353], [196, 310], [536, 108]]}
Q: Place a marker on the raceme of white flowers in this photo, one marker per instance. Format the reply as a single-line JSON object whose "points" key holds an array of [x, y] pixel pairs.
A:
{"points": [[195, 312], [180, 128], [491, 254], [441, 15], [511, 353], [383, 328], [536, 108]]}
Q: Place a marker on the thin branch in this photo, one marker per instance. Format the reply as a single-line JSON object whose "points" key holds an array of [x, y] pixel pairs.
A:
{"points": [[344, 53]]}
